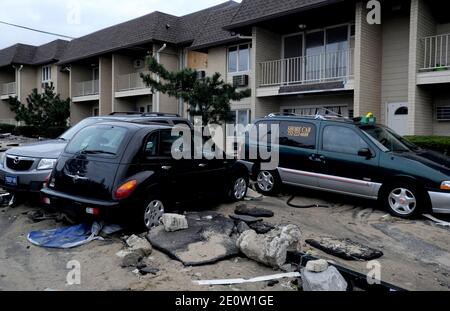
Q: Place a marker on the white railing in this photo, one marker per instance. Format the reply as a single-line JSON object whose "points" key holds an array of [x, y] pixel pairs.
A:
{"points": [[86, 88], [132, 81], [436, 52], [9, 88], [325, 67]]}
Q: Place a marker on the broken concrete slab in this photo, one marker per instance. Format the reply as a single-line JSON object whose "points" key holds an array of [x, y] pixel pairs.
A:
{"points": [[174, 222], [270, 249], [317, 266], [244, 209], [132, 259], [345, 248], [207, 240], [136, 243], [242, 227], [247, 219], [262, 227], [328, 281]]}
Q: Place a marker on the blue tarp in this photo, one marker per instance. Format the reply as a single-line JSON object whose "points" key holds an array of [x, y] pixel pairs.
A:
{"points": [[70, 237]]}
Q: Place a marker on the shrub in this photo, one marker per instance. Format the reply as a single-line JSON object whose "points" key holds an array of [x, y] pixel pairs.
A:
{"points": [[435, 143], [54, 131], [27, 131], [6, 128]]}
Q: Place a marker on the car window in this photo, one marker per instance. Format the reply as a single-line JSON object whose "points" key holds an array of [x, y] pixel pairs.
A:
{"points": [[298, 134], [166, 142], [151, 145], [342, 139], [99, 139]]}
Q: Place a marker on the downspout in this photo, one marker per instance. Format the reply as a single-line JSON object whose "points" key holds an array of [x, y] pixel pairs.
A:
{"points": [[158, 59]]}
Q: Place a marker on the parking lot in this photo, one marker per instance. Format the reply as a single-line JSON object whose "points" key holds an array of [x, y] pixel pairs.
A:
{"points": [[416, 253]]}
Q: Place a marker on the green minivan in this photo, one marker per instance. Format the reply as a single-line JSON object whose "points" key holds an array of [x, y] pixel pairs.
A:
{"points": [[355, 158]]}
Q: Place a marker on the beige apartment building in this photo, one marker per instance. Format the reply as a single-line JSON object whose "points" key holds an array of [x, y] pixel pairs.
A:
{"points": [[304, 57], [24, 68]]}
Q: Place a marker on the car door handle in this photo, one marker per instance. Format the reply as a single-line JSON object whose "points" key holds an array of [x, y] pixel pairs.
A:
{"points": [[317, 158], [166, 168], [202, 165]]}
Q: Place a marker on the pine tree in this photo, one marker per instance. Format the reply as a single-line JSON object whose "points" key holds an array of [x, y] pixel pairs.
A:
{"points": [[209, 97]]}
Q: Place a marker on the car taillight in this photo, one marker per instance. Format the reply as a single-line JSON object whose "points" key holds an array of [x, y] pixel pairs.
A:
{"points": [[126, 190]]}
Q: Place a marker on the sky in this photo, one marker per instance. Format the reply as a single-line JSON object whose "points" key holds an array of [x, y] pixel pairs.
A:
{"points": [[76, 18]]}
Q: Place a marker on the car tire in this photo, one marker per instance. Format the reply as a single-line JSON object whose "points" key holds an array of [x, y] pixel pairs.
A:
{"points": [[268, 182], [239, 187], [151, 213], [403, 200]]}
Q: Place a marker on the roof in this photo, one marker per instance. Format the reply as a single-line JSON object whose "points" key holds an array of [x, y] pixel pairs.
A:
{"points": [[32, 55], [153, 27], [213, 32], [253, 11]]}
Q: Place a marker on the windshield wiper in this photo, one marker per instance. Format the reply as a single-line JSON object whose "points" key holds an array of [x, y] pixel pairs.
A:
{"points": [[62, 138], [97, 152]]}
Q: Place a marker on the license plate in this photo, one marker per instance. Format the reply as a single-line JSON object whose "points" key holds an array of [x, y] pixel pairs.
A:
{"points": [[11, 180]]}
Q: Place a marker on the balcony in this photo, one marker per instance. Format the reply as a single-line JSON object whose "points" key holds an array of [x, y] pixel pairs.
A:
{"points": [[314, 73], [131, 85], [86, 90], [8, 89], [435, 66]]}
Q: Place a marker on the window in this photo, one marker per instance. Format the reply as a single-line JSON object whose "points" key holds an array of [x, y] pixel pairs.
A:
{"points": [[443, 113], [95, 112], [297, 134], [343, 140], [95, 74], [402, 111], [101, 139], [166, 142], [141, 109], [46, 74], [325, 110], [151, 146], [239, 59]]}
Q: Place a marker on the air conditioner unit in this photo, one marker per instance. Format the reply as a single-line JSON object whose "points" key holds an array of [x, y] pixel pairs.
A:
{"points": [[138, 63], [201, 75], [240, 81]]}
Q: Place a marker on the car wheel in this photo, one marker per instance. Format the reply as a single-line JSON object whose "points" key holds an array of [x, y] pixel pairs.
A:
{"points": [[239, 188], [267, 182], [403, 200], [153, 213]]}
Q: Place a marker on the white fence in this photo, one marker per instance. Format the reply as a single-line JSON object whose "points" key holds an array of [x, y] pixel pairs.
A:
{"points": [[132, 81], [317, 68], [86, 88], [436, 52]]}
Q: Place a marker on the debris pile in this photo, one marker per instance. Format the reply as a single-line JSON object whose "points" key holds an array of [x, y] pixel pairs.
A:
{"points": [[270, 249], [174, 222], [322, 281]]}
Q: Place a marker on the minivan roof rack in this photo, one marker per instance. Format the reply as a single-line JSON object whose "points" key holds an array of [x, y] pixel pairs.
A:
{"points": [[127, 113], [160, 114]]}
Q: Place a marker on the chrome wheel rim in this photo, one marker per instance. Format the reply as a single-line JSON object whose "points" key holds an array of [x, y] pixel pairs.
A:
{"points": [[265, 181], [153, 214], [240, 188], [402, 201]]}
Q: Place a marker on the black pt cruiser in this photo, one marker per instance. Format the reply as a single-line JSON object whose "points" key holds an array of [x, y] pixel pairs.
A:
{"points": [[122, 170], [356, 158]]}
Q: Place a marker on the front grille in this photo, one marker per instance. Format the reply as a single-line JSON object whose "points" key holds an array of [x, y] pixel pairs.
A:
{"points": [[19, 164]]}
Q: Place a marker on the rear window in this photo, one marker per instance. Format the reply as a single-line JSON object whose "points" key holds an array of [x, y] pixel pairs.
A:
{"points": [[99, 139], [298, 134]]}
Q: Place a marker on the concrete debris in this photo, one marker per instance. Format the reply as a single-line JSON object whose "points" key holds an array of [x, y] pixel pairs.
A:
{"points": [[242, 227], [252, 195], [345, 248], [317, 266], [132, 259], [270, 249], [328, 281], [148, 270], [136, 243], [262, 227], [247, 219], [243, 209], [438, 222], [243, 281], [174, 222]]}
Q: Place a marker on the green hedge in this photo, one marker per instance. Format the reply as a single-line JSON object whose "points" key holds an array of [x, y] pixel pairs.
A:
{"points": [[31, 131], [6, 128], [436, 143]]}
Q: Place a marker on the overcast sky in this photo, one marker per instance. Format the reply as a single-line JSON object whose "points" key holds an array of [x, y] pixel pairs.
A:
{"points": [[76, 18]]}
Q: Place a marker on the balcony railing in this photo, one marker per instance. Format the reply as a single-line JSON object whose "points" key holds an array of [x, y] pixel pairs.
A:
{"points": [[86, 88], [326, 67], [9, 88], [436, 53], [129, 82]]}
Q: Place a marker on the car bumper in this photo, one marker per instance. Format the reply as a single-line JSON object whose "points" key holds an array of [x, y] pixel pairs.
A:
{"points": [[28, 181], [440, 202], [249, 166]]}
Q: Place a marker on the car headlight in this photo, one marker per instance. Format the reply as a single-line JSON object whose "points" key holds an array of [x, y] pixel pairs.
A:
{"points": [[46, 164], [445, 185]]}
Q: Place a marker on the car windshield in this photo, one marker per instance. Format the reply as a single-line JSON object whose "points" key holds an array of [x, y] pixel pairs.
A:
{"points": [[387, 139], [70, 133], [97, 139]]}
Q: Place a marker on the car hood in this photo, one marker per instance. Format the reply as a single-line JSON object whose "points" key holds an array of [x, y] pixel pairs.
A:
{"points": [[50, 149], [432, 159]]}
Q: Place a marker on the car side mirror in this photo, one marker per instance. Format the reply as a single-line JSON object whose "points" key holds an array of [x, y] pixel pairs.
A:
{"points": [[366, 153]]}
